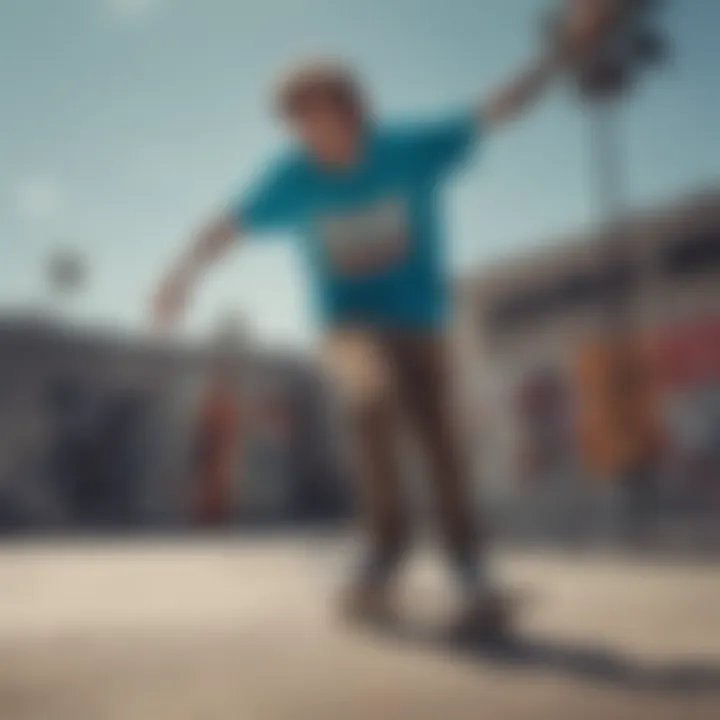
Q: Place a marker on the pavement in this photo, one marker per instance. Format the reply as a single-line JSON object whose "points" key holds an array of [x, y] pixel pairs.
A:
{"points": [[245, 629]]}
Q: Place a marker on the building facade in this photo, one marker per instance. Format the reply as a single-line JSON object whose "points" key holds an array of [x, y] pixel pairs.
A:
{"points": [[542, 337], [101, 431]]}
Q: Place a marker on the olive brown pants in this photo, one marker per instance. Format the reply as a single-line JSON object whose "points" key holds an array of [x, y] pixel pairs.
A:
{"points": [[392, 382]]}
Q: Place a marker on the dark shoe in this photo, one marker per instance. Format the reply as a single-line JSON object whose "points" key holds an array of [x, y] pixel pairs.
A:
{"points": [[484, 617]]}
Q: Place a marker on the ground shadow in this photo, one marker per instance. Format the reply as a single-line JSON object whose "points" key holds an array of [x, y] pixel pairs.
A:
{"points": [[582, 662]]}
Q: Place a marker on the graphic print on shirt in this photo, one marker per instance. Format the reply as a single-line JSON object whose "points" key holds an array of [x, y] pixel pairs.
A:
{"points": [[367, 241]]}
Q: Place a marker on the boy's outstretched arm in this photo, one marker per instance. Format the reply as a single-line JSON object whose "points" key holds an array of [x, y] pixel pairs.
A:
{"points": [[520, 94], [209, 245], [582, 31]]}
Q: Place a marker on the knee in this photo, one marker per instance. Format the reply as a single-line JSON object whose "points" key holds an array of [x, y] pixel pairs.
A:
{"points": [[360, 376]]}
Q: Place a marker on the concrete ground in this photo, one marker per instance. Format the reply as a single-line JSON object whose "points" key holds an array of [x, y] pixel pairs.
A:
{"points": [[210, 630]]}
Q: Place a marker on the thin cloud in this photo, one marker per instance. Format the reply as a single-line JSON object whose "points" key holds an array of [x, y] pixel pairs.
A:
{"points": [[39, 199], [133, 9]]}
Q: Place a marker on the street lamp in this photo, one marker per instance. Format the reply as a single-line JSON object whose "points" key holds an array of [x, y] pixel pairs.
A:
{"points": [[604, 76], [603, 79]]}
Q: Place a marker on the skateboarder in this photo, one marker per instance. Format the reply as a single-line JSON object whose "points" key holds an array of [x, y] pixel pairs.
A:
{"points": [[363, 199]]}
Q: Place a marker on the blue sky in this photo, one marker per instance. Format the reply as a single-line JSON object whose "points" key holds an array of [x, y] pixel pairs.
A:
{"points": [[125, 122]]}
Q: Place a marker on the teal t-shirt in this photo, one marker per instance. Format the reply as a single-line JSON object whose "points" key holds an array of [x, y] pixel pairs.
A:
{"points": [[372, 235]]}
